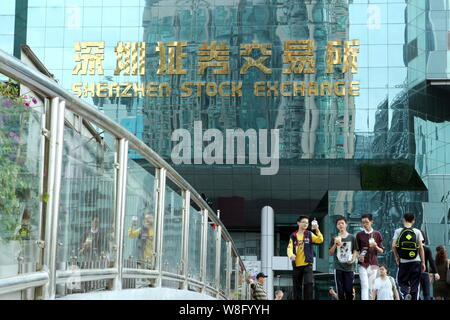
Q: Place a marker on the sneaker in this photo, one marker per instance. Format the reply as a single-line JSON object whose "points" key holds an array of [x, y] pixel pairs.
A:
{"points": [[408, 297]]}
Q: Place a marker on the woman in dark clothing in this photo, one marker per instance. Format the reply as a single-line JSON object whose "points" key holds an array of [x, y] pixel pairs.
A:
{"points": [[441, 288]]}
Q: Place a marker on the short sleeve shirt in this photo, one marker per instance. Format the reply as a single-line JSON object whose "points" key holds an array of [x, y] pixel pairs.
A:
{"points": [[384, 288], [370, 259], [419, 238], [344, 253]]}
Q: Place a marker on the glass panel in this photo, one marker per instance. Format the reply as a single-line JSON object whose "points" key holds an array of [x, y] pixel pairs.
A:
{"points": [[140, 227], [233, 284], [86, 220], [195, 241], [20, 162], [173, 225], [211, 254], [223, 265], [242, 284]]}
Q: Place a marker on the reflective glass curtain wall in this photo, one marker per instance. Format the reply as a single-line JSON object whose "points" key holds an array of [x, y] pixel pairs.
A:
{"points": [[323, 139]]}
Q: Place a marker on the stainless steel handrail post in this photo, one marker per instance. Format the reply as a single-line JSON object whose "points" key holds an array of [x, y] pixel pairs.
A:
{"points": [[185, 243], [218, 255], [121, 188], [161, 189], [53, 189], [204, 249], [236, 276], [228, 273]]}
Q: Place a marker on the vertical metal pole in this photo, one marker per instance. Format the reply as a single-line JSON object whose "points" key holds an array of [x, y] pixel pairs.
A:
{"points": [[228, 274], [161, 189], [38, 292], [185, 253], [120, 210], [236, 275], [53, 190], [218, 254], [204, 248], [42, 178], [244, 285], [267, 242]]}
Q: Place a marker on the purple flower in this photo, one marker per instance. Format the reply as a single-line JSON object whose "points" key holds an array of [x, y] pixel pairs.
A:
{"points": [[7, 103], [14, 136], [4, 116], [26, 104], [34, 100]]}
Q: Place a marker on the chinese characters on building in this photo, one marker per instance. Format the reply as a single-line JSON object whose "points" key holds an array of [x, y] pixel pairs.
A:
{"points": [[298, 57]]}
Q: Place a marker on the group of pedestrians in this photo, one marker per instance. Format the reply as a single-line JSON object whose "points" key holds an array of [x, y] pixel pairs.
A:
{"points": [[411, 256]]}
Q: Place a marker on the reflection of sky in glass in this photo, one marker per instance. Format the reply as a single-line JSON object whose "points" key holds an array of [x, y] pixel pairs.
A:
{"points": [[7, 20], [369, 24]]}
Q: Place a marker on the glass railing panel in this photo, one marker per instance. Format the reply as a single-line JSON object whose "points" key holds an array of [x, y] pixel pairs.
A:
{"points": [[86, 222], [194, 243], [233, 283], [140, 217], [223, 264], [211, 254], [242, 284], [20, 194], [172, 231]]}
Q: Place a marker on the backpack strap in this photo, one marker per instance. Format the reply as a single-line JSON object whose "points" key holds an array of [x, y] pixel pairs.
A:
{"points": [[392, 281], [393, 285], [397, 242]]}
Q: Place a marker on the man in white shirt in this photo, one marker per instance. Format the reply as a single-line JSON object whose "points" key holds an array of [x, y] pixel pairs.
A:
{"points": [[384, 286], [409, 256]]}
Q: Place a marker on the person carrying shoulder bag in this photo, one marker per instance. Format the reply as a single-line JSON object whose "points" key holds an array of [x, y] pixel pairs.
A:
{"points": [[441, 287]]}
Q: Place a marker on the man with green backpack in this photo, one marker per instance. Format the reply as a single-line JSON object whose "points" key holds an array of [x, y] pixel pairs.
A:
{"points": [[409, 256]]}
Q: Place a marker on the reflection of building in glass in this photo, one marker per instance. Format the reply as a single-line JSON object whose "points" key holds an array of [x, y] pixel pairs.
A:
{"points": [[316, 127], [399, 116]]}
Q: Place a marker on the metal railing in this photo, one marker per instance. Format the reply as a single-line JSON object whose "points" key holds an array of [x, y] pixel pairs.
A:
{"points": [[70, 175]]}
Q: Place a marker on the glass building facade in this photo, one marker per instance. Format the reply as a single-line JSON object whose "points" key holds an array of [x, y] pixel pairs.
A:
{"points": [[383, 150]]}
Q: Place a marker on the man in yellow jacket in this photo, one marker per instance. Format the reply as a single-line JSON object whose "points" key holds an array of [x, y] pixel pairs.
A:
{"points": [[300, 251]]}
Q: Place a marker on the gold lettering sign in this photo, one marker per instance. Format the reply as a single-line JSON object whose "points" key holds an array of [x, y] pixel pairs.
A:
{"points": [[246, 51], [334, 55], [351, 53], [300, 56], [171, 62], [129, 53], [213, 52], [89, 56], [212, 89]]}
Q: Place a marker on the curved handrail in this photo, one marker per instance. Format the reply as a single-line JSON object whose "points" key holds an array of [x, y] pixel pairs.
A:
{"points": [[16, 69]]}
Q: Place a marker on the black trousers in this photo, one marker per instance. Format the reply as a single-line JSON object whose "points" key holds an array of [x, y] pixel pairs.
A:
{"points": [[426, 285], [303, 281], [408, 279], [344, 284]]}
